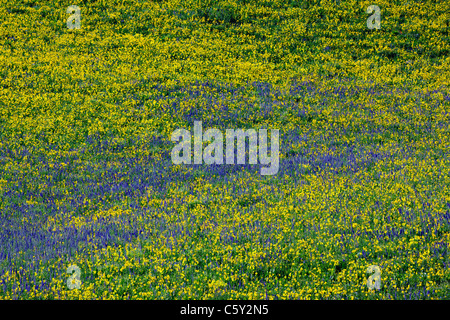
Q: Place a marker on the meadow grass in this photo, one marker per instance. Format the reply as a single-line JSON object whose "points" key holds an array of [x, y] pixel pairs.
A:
{"points": [[86, 176]]}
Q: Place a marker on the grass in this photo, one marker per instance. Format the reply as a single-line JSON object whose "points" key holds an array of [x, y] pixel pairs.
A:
{"points": [[85, 123]]}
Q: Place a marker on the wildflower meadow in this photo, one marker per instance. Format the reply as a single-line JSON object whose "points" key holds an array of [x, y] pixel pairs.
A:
{"points": [[349, 109]]}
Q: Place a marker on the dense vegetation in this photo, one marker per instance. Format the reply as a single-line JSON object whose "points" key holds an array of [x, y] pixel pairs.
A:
{"points": [[86, 177]]}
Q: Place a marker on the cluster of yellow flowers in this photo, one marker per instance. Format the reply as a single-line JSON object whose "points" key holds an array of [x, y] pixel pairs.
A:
{"points": [[85, 122]]}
